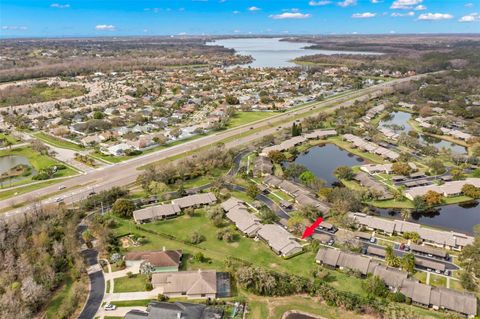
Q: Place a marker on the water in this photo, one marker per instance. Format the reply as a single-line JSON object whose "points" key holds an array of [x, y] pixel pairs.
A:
{"points": [[439, 143], [462, 217], [271, 52], [400, 119], [323, 160], [10, 161]]}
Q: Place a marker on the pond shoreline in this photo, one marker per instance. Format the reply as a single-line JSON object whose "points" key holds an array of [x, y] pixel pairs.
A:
{"points": [[297, 314]]}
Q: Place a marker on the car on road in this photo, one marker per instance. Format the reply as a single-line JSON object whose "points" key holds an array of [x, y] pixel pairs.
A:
{"points": [[373, 240], [62, 187], [330, 242], [59, 200], [91, 194], [109, 307]]}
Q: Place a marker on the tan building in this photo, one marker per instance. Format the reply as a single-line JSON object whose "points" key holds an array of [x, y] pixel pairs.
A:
{"points": [[191, 284]]}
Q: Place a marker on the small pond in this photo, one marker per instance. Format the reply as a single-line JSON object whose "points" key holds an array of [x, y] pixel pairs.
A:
{"points": [[7, 163], [461, 217], [400, 119], [323, 160]]}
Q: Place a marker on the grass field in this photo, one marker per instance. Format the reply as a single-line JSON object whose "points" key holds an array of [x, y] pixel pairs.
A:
{"points": [[9, 138], [39, 93], [125, 284], [242, 118], [55, 141], [243, 248]]}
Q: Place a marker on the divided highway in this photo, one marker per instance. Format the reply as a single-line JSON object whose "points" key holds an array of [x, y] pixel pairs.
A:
{"points": [[124, 173]]}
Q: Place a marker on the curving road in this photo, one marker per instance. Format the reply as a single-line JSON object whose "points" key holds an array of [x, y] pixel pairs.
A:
{"points": [[126, 172]]}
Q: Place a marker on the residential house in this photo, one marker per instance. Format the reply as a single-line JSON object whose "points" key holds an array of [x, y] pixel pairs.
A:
{"points": [[190, 284], [237, 212], [280, 241], [176, 310], [154, 261]]}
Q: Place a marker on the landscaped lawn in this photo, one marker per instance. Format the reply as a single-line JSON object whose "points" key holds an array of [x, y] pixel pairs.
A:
{"points": [[438, 281], [243, 248], [55, 141], [242, 118], [9, 138], [135, 283]]}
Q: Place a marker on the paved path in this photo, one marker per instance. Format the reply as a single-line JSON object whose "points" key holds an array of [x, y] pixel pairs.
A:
{"points": [[119, 312]]}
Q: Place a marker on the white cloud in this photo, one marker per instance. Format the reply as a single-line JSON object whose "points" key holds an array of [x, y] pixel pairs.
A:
{"points": [[236, 12], [420, 7], [347, 3], [375, 1], [105, 27], [398, 14], [435, 16], [469, 5], [405, 4], [14, 27], [472, 17], [364, 15], [290, 15], [319, 3], [254, 9], [182, 33], [60, 6]]}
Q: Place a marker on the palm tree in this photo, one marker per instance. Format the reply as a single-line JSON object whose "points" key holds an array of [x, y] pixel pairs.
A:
{"points": [[406, 213]]}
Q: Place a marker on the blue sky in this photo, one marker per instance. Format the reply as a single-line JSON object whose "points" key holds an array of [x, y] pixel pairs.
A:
{"points": [[28, 18]]}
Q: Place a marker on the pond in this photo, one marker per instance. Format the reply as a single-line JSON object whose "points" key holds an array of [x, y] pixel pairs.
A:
{"points": [[10, 161], [400, 119], [323, 160], [271, 52], [7, 163], [461, 217]]}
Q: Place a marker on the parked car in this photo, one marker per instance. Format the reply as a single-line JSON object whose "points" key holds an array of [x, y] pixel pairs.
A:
{"points": [[330, 242], [59, 200], [62, 187], [109, 307], [373, 240]]}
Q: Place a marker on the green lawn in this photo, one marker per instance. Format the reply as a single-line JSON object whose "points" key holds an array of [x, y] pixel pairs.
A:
{"points": [[9, 138], [132, 303], [55, 141], [243, 248], [438, 281], [59, 297], [125, 284], [242, 118]]}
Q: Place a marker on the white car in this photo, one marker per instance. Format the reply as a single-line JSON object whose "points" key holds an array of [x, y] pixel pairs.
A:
{"points": [[109, 307], [59, 200], [62, 187]]}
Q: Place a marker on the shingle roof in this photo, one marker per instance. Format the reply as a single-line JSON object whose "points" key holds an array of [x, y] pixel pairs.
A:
{"points": [[279, 239], [189, 282], [156, 212], [194, 200], [161, 258]]}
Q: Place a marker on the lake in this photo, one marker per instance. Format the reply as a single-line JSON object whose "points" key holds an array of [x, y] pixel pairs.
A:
{"points": [[10, 161], [324, 159], [401, 119], [273, 53], [298, 316], [462, 217]]}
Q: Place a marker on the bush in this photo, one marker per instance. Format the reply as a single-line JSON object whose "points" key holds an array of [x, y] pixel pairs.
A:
{"points": [[196, 238]]}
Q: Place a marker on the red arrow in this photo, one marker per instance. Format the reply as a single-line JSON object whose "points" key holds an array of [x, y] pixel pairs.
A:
{"points": [[311, 229]]}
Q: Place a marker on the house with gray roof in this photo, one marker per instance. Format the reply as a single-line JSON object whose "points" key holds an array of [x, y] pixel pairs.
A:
{"points": [[280, 241], [195, 200], [237, 212], [176, 310], [157, 212], [190, 284]]}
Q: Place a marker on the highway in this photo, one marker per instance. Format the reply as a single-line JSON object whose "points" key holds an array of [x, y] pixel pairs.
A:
{"points": [[124, 173]]}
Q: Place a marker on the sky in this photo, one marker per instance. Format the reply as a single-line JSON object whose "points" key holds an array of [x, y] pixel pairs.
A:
{"points": [[41, 18]]}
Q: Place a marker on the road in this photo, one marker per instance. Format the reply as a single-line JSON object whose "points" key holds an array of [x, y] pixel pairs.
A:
{"points": [[126, 172]]}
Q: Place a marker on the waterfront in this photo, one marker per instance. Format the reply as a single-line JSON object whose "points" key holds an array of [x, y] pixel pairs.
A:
{"points": [[271, 52]]}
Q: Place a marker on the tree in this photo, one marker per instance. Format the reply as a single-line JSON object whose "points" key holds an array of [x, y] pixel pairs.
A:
{"points": [[307, 177], [252, 191], [344, 172], [390, 257], [310, 212], [98, 115], [123, 208], [433, 198], [39, 147], [471, 191], [375, 286], [295, 224], [400, 168], [294, 170], [344, 200], [296, 129], [408, 262], [196, 238], [406, 213], [199, 257], [420, 204], [276, 157], [436, 166], [232, 100], [267, 216]]}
